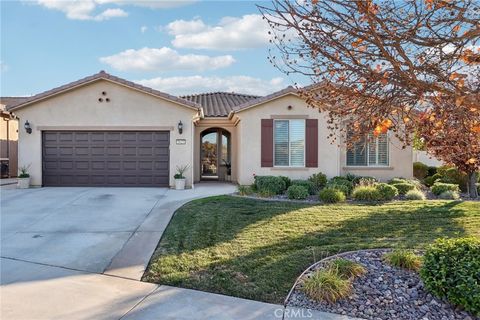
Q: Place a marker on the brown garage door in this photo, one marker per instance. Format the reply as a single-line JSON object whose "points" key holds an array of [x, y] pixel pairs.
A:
{"points": [[106, 158]]}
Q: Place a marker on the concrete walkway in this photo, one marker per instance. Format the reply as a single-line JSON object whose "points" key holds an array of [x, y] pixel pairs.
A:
{"points": [[78, 253]]}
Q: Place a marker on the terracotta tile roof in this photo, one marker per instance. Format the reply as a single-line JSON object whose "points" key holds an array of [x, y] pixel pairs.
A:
{"points": [[219, 104], [10, 101], [102, 75]]}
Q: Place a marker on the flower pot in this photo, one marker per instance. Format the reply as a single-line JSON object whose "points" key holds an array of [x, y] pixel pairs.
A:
{"points": [[179, 184], [23, 183]]}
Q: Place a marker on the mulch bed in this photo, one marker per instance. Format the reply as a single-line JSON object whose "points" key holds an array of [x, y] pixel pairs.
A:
{"points": [[384, 292]]}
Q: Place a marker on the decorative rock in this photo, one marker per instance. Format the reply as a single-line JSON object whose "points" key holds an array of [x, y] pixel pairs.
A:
{"points": [[384, 292]]}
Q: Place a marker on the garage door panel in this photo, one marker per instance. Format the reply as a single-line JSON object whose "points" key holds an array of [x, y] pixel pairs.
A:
{"points": [[65, 151], [130, 151], [97, 151], [82, 151], [65, 165], [65, 136], [82, 165], [114, 151], [82, 158]]}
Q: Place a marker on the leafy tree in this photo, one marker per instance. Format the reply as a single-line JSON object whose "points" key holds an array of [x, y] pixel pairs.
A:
{"points": [[409, 67]]}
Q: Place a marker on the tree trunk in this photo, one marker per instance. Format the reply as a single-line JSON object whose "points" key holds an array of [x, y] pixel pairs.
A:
{"points": [[472, 184]]}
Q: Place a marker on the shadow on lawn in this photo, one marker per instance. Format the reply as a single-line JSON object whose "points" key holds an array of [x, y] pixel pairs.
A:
{"points": [[268, 272]]}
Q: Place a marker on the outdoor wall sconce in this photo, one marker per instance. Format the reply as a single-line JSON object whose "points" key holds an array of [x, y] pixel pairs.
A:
{"points": [[180, 127], [27, 127]]}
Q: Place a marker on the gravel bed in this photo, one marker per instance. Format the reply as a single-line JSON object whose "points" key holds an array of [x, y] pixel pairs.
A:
{"points": [[384, 292]]}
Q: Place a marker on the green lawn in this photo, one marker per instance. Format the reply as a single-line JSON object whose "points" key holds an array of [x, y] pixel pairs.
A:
{"points": [[256, 249]]}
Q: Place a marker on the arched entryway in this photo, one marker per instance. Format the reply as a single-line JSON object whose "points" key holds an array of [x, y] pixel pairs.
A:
{"points": [[215, 155]]}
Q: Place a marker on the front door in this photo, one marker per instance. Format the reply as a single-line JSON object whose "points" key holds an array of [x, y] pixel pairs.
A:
{"points": [[215, 154]]}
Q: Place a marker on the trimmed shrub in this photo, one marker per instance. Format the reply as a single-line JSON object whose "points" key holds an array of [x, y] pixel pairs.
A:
{"points": [[404, 259], [306, 184], [440, 187], [449, 195], [347, 269], [366, 193], [297, 192], [454, 176], [319, 181], [429, 181], [331, 195], [341, 181], [340, 187], [397, 180], [387, 192], [245, 190], [364, 181], [270, 184], [350, 177], [403, 187], [420, 170], [415, 195], [431, 171], [327, 285], [451, 270], [287, 181]]}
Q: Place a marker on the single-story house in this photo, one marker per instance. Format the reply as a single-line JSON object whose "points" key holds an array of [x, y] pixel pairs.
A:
{"points": [[106, 131], [8, 138]]}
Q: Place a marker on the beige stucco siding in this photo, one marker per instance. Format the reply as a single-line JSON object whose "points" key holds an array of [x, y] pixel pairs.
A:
{"points": [[331, 157], [400, 163], [128, 109], [249, 132], [9, 143]]}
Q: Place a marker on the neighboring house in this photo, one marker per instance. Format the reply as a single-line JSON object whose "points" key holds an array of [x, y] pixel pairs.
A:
{"points": [[8, 137], [106, 131]]}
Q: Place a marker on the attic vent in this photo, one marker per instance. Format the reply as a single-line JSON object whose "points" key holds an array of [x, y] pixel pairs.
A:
{"points": [[104, 94]]}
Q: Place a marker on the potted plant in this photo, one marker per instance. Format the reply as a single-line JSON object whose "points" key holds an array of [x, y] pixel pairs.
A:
{"points": [[23, 181], [228, 166], [180, 178]]}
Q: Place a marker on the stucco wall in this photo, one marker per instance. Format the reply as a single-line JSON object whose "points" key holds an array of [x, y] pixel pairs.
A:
{"points": [[331, 158], [400, 163], [249, 132], [11, 151], [127, 108], [222, 123]]}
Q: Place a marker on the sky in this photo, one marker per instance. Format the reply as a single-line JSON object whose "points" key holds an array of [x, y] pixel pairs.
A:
{"points": [[178, 47]]}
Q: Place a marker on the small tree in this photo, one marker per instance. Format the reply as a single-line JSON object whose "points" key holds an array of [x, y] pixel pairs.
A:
{"points": [[410, 66]]}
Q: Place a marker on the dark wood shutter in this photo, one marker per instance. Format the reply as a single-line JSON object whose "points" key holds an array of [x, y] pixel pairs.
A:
{"points": [[311, 143], [267, 143]]}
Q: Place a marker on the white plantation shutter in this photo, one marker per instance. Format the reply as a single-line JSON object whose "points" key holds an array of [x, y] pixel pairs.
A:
{"points": [[369, 152], [281, 151], [372, 150], [382, 150], [357, 154], [289, 143], [297, 143]]}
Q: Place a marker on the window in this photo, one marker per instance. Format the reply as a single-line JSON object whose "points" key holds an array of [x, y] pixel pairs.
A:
{"points": [[369, 152], [289, 143]]}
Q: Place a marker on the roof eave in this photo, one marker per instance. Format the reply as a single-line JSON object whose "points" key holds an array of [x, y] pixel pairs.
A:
{"points": [[107, 77]]}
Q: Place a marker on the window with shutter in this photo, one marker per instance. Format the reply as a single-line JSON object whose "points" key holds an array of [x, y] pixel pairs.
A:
{"points": [[369, 152], [289, 143]]}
